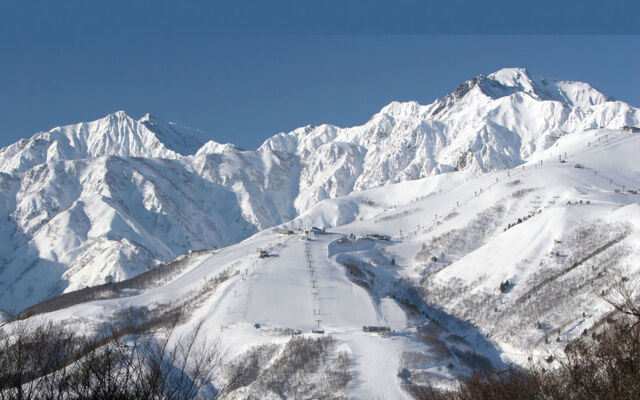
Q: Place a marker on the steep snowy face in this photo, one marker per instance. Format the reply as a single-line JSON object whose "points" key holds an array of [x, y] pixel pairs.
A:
{"points": [[264, 182], [181, 139], [116, 134], [73, 224]]}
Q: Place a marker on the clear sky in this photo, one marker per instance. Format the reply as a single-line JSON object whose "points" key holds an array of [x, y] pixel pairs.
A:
{"points": [[244, 70]]}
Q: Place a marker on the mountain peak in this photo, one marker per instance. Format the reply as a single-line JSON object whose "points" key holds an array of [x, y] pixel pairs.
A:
{"points": [[116, 134], [514, 76], [401, 109], [213, 147], [120, 115], [509, 81]]}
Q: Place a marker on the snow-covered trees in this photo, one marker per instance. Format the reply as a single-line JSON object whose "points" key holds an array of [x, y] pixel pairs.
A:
{"points": [[301, 369], [604, 365]]}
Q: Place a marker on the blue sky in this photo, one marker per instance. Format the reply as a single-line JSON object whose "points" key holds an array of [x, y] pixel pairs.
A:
{"points": [[245, 70]]}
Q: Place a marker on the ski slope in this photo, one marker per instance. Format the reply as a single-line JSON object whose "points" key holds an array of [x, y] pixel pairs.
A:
{"points": [[282, 292]]}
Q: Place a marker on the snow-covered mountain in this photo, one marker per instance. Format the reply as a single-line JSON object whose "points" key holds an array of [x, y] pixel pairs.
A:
{"points": [[487, 123], [109, 199], [116, 134], [469, 270]]}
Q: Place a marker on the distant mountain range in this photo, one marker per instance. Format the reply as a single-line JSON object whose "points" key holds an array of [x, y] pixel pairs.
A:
{"points": [[109, 199]]}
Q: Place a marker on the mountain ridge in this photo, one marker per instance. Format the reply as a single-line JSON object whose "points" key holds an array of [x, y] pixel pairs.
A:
{"points": [[130, 201]]}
